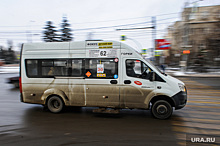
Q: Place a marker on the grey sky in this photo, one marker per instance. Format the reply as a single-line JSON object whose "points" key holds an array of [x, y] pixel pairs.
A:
{"points": [[20, 18]]}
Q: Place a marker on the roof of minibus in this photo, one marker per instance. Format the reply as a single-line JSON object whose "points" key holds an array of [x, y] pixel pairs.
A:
{"points": [[49, 48], [71, 45]]}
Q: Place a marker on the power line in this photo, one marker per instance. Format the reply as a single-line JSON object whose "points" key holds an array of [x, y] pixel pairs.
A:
{"points": [[21, 34], [167, 18], [22, 26], [113, 26], [128, 18], [100, 21], [167, 14]]}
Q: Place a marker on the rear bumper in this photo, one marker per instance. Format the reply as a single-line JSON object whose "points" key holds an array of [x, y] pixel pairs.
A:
{"points": [[180, 99]]}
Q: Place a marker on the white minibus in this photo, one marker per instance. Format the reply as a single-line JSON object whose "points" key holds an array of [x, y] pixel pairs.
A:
{"points": [[109, 75]]}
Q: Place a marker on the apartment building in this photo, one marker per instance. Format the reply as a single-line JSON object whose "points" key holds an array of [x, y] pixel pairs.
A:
{"points": [[199, 32]]}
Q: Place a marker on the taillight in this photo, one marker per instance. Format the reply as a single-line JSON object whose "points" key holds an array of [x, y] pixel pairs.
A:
{"points": [[20, 84]]}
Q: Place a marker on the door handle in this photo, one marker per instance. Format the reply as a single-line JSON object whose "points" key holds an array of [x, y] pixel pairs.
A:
{"points": [[127, 82], [113, 81]]}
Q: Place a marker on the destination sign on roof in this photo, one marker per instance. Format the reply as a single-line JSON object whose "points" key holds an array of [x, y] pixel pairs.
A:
{"points": [[106, 44]]}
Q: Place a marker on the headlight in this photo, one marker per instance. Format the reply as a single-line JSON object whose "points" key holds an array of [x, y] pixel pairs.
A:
{"points": [[182, 87]]}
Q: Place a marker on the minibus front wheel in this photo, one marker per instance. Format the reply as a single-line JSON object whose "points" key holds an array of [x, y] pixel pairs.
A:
{"points": [[161, 109], [55, 104]]}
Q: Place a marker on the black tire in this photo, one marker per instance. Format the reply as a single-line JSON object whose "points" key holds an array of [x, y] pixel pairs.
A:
{"points": [[55, 104], [161, 109]]}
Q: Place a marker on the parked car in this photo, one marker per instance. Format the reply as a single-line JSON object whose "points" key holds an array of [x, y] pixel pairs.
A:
{"points": [[14, 81]]}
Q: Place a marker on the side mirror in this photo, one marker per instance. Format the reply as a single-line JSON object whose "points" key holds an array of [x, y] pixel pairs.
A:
{"points": [[152, 76]]}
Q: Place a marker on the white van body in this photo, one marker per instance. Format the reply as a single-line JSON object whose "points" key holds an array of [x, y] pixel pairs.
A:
{"points": [[106, 74]]}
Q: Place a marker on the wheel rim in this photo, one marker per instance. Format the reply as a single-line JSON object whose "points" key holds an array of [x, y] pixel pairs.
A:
{"points": [[55, 104], [162, 109]]}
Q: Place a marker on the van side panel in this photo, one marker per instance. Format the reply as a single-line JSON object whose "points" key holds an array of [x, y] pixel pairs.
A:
{"points": [[77, 50], [133, 95], [36, 91], [34, 88], [100, 91], [77, 84], [45, 50]]}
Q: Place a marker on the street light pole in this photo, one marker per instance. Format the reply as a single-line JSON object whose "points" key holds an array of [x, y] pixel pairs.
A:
{"points": [[153, 36]]}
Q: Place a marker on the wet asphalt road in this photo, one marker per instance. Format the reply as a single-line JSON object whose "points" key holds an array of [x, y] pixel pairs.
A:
{"points": [[27, 124]]}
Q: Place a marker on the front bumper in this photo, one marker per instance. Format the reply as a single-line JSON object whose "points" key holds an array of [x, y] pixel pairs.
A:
{"points": [[180, 99]]}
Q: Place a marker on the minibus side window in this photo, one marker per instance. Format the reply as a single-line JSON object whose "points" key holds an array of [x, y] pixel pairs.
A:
{"points": [[60, 68], [32, 68], [37, 68], [47, 68], [54, 68], [137, 68], [106, 68], [133, 68], [77, 68]]}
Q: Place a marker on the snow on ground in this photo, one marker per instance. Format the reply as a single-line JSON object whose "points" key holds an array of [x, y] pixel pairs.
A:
{"points": [[9, 69]]}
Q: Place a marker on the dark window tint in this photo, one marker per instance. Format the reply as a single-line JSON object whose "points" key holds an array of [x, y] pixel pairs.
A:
{"points": [[54, 68], [46, 68], [32, 67], [90, 68], [137, 68], [77, 68]]}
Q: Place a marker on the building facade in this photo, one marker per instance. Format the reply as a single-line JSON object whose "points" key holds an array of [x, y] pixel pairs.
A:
{"points": [[198, 28]]}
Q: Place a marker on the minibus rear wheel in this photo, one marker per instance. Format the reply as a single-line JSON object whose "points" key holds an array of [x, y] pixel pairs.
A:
{"points": [[161, 109], [55, 104]]}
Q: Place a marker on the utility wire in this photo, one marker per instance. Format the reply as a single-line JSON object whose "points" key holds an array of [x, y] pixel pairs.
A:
{"points": [[99, 30], [103, 21]]}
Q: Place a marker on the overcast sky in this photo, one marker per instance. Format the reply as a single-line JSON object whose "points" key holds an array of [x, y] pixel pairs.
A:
{"points": [[20, 18]]}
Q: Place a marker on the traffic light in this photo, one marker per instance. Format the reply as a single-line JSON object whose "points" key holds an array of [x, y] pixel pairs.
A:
{"points": [[123, 37]]}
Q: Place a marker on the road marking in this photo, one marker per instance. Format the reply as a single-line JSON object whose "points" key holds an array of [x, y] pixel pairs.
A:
{"points": [[204, 98], [207, 93], [198, 119], [209, 102], [186, 119], [202, 116], [195, 130], [216, 107], [201, 112], [196, 125]]}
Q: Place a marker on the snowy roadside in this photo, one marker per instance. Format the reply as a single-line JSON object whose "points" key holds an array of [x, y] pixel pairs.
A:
{"points": [[9, 69]]}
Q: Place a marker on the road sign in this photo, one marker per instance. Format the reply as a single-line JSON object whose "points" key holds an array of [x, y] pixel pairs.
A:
{"points": [[162, 44]]}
